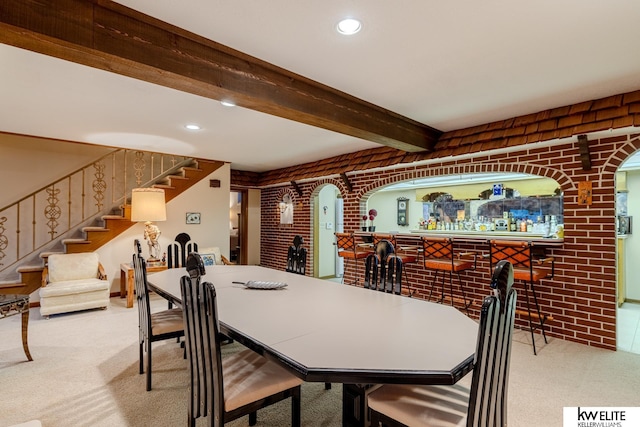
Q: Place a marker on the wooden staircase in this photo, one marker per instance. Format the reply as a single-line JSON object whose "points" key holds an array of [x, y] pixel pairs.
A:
{"points": [[113, 225]]}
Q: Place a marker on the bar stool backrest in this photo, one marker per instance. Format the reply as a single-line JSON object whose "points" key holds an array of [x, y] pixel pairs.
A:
{"points": [[437, 249], [345, 242], [517, 253]]}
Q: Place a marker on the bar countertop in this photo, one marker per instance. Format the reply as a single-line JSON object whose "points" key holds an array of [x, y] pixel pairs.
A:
{"points": [[475, 236]]}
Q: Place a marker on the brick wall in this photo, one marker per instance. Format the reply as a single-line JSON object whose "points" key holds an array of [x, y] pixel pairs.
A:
{"points": [[582, 295]]}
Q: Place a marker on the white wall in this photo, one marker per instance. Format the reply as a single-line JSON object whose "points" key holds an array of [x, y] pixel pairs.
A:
{"points": [[31, 163], [253, 232], [213, 230], [386, 203], [632, 270], [326, 229]]}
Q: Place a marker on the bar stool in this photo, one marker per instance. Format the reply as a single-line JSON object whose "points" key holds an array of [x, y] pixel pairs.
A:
{"points": [[348, 249], [528, 269], [439, 256]]}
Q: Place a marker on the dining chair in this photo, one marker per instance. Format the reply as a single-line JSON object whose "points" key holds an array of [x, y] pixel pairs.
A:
{"points": [[297, 257], [297, 263], [484, 403], [152, 327], [383, 270], [178, 250], [225, 389], [530, 269], [439, 256], [407, 254], [348, 248]]}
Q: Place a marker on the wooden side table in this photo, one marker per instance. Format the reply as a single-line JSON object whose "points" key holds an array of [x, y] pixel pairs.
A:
{"points": [[12, 304], [127, 282]]}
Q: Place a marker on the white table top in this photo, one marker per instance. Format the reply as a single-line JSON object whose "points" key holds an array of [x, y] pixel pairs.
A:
{"points": [[330, 332]]}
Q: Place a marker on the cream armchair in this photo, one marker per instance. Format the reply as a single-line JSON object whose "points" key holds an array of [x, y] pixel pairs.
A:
{"points": [[73, 282]]}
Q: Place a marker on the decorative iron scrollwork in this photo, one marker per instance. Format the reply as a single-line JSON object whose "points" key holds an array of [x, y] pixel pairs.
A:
{"points": [[99, 184], [52, 211]]}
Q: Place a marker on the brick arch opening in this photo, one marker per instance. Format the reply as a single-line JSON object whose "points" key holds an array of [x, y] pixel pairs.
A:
{"points": [[318, 256], [622, 154], [563, 180]]}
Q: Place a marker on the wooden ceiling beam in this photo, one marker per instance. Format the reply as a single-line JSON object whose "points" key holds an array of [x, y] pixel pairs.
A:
{"points": [[106, 35]]}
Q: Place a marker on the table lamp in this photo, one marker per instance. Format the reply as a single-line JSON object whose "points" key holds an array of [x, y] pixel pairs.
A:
{"points": [[148, 205]]}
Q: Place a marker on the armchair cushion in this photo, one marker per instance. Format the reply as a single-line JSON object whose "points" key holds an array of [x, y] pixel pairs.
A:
{"points": [[73, 282], [63, 267], [213, 256]]}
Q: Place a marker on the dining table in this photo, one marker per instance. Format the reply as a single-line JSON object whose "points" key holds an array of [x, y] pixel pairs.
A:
{"points": [[324, 331]]}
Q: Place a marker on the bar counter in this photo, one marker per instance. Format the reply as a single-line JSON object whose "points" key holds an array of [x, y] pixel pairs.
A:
{"points": [[470, 236]]}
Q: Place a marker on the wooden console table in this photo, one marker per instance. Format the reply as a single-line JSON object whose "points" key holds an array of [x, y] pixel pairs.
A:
{"points": [[127, 283], [13, 304]]}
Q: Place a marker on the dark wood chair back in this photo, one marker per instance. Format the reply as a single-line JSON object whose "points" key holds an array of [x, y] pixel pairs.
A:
{"points": [[171, 319], [297, 257], [489, 385], [383, 271], [142, 296], [487, 398], [203, 349], [177, 252], [202, 344]]}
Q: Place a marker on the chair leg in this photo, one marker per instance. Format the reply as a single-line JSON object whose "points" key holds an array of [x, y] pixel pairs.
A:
{"points": [[533, 339], [141, 370], [295, 407], [464, 295], [327, 386], [253, 418], [433, 283], [148, 365], [540, 318]]}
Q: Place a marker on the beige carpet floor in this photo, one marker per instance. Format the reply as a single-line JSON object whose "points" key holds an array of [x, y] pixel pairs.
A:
{"points": [[85, 373]]}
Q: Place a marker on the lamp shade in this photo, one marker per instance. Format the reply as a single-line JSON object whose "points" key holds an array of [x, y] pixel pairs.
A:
{"points": [[147, 204]]}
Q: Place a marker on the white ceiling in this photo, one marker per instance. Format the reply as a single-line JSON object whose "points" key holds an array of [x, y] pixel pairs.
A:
{"points": [[447, 64]]}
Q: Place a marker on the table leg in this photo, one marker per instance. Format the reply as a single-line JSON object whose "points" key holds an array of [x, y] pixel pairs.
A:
{"points": [[123, 283], [130, 284], [25, 326], [353, 405]]}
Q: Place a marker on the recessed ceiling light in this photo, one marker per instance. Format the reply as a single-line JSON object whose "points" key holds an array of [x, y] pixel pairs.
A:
{"points": [[192, 127], [227, 103], [349, 26]]}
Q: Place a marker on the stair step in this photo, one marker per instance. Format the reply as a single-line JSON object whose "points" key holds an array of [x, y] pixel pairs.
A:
{"points": [[11, 284], [75, 241], [29, 268], [45, 255], [93, 228], [164, 186], [112, 217]]}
